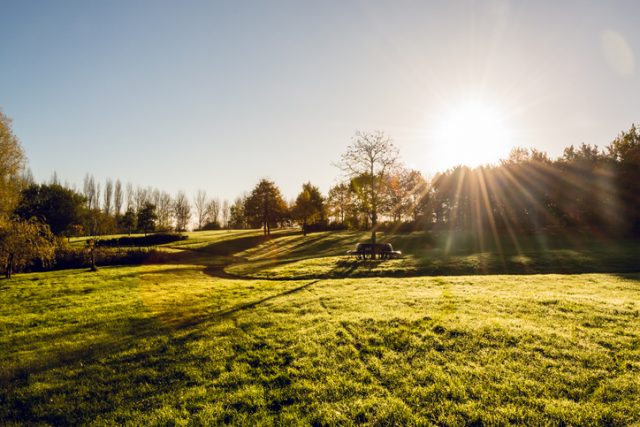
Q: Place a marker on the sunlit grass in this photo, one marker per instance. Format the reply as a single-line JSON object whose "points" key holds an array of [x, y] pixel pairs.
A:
{"points": [[171, 344], [246, 330]]}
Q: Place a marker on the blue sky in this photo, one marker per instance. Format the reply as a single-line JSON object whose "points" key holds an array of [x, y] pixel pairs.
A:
{"points": [[215, 95]]}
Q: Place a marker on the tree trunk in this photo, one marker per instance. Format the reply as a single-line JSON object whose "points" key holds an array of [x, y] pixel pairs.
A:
{"points": [[9, 266], [93, 259], [374, 222]]}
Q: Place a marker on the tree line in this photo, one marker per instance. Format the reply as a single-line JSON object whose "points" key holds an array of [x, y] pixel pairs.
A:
{"points": [[585, 189]]}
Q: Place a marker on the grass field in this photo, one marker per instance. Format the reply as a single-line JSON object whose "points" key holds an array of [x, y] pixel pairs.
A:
{"points": [[301, 342]]}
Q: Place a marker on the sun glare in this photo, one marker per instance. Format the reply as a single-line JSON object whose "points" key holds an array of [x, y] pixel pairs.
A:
{"points": [[471, 134]]}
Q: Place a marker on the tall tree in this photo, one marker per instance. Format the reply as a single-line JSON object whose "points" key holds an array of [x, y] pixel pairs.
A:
{"points": [[225, 214], [625, 150], [129, 221], [108, 196], [89, 191], [371, 159], [12, 162], [164, 211], [59, 207], [130, 197], [237, 218], [407, 194], [117, 198], [141, 196], [182, 211], [212, 213], [147, 218], [265, 206], [308, 208], [200, 205], [339, 202]]}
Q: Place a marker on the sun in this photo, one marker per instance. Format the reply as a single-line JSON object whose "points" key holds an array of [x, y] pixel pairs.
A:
{"points": [[473, 133]]}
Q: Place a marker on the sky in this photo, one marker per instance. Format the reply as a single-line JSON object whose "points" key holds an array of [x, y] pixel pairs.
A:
{"points": [[214, 95]]}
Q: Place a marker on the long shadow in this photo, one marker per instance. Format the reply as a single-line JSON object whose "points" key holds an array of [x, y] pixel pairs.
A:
{"points": [[226, 313]]}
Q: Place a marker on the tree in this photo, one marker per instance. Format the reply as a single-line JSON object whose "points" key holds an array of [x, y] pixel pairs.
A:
{"points": [[371, 159], [225, 213], [212, 212], [237, 218], [141, 196], [130, 197], [12, 162], [407, 192], [265, 206], [108, 197], [164, 209], [147, 218], [625, 150], [89, 190], [182, 211], [129, 221], [22, 242], [339, 201], [309, 207], [117, 198], [200, 205], [59, 207]]}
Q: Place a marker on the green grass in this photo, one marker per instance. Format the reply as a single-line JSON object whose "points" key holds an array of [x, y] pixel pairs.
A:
{"points": [[321, 255], [189, 343]]}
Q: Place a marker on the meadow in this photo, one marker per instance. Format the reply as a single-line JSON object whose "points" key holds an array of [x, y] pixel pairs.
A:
{"points": [[239, 329]]}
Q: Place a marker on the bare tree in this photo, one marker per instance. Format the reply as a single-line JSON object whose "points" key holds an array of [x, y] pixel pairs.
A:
{"points": [[164, 211], [225, 214], [213, 211], [371, 159], [182, 211], [117, 198], [130, 197], [140, 198], [108, 196], [98, 196], [89, 190], [200, 203], [154, 196]]}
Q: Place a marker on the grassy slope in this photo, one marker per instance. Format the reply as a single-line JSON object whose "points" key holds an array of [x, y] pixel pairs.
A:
{"points": [[176, 343], [321, 255]]}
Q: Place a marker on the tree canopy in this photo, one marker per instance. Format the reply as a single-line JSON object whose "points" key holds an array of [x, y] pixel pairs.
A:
{"points": [[265, 206], [59, 207], [147, 218], [369, 162], [12, 162], [22, 242], [309, 207]]}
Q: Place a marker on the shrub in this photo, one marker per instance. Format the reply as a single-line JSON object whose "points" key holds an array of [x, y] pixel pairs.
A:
{"points": [[150, 240], [67, 257]]}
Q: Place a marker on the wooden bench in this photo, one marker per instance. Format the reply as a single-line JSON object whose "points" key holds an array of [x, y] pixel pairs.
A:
{"points": [[384, 250]]}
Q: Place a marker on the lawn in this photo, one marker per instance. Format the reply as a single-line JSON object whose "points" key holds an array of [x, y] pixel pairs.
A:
{"points": [[192, 342]]}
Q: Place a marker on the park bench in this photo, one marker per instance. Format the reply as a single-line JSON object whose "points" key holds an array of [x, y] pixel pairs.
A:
{"points": [[384, 250]]}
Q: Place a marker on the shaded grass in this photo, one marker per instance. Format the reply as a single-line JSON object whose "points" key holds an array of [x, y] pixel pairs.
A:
{"points": [[321, 255]]}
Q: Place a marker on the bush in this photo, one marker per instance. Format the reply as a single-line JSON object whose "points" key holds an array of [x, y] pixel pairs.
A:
{"points": [[150, 240], [73, 257], [402, 227], [215, 225]]}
